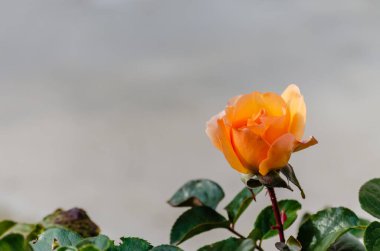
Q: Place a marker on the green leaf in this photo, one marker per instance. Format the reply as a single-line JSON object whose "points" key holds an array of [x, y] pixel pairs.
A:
{"points": [[322, 229], [369, 197], [347, 242], [166, 248], [372, 236], [200, 192], [246, 245], [255, 234], [230, 244], [265, 220], [133, 244], [241, 201], [66, 249], [289, 173], [90, 247], [13, 242], [62, 236], [195, 221], [101, 242], [5, 225], [359, 232], [75, 219], [305, 217], [28, 231]]}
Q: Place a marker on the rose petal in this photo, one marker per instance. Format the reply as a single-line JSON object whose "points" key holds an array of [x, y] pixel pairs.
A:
{"points": [[274, 104], [224, 136], [305, 144], [276, 127], [279, 154], [297, 109], [250, 147], [212, 130], [242, 108]]}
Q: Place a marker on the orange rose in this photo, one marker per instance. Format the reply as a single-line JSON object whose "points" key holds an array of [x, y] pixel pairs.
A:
{"points": [[258, 132]]}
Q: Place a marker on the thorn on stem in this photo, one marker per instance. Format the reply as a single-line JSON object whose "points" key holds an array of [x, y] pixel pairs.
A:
{"points": [[284, 217], [275, 227]]}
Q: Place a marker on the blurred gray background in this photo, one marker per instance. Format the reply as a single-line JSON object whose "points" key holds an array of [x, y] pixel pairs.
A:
{"points": [[103, 103]]}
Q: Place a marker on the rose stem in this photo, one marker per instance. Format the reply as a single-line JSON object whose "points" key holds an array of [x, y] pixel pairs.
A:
{"points": [[277, 216]]}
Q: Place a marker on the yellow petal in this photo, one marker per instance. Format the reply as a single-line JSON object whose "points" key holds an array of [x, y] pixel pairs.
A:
{"points": [[305, 144], [278, 154], [224, 136], [242, 108], [276, 127], [212, 130], [297, 109], [274, 104], [250, 147]]}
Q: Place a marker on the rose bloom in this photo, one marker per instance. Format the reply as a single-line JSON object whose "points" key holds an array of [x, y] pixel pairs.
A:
{"points": [[258, 132]]}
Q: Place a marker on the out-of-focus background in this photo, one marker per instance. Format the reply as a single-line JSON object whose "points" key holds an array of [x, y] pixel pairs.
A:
{"points": [[103, 103]]}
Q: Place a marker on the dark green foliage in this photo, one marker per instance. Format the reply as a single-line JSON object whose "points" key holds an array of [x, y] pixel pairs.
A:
{"points": [[347, 242], [13, 242], [201, 192], [229, 245], [324, 228], [195, 221], [372, 236], [166, 248], [133, 244], [369, 197], [265, 220], [56, 236], [240, 202]]}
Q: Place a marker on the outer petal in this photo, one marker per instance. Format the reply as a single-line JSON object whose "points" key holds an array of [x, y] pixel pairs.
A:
{"points": [[305, 144], [212, 130], [224, 136], [278, 154], [249, 147], [297, 109]]}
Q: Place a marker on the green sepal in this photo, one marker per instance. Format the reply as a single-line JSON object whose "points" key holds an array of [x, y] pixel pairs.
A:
{"points": [[273, 179], [289, 173], [292, 244]]}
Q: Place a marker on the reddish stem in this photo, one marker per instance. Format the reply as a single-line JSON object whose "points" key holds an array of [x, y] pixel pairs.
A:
{"points": [[277, 215]]}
